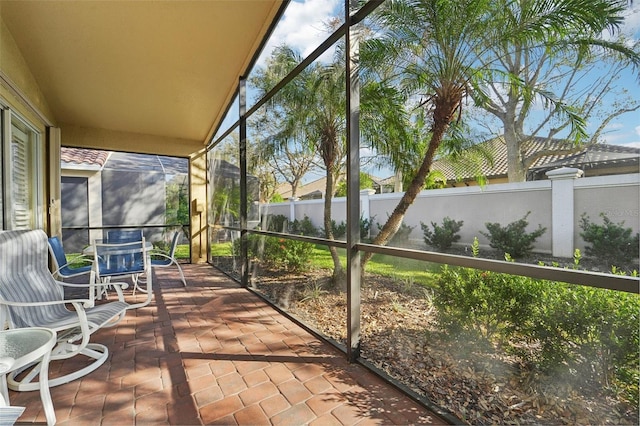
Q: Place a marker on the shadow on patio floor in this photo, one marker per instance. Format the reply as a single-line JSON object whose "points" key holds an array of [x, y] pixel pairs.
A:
{"points": [[214, 353]]}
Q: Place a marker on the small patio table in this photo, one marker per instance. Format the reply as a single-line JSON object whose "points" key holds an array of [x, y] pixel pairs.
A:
{"points": [[20, 347], [118, 260]]}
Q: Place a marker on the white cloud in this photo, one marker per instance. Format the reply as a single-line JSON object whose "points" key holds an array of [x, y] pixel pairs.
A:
{"points": [[631, 26], [302, 26]]}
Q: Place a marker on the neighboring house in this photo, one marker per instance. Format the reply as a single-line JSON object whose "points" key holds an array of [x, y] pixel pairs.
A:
{"points": [[594, 160], [309, 191], [315, 189], [103, 188]]}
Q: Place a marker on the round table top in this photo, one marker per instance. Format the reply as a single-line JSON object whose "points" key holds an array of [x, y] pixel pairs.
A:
{"points": [[21, 346]]}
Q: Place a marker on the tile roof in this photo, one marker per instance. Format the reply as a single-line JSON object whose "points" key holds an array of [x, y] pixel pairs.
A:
{"points": [[466, 168], [92, 157], [313, 189]]}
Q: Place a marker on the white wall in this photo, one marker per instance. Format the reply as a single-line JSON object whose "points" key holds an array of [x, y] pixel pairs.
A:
{"points": [[618, 196]]}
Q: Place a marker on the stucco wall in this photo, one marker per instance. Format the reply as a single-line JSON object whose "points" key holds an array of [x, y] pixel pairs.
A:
{"points": [[617, 196]]}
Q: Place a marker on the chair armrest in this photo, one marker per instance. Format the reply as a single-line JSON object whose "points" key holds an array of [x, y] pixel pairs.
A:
{"points": [[49, 303], [70, 262], [89, 285]]}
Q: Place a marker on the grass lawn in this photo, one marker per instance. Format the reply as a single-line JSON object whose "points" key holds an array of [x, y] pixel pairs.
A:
{"points": [[398, 268]]}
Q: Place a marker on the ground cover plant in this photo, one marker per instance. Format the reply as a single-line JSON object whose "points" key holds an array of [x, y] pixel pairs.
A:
{"points": [[491, 348]]}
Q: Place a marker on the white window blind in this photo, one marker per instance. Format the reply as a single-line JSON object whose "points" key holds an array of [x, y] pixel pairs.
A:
{"points": [[21, 191]]}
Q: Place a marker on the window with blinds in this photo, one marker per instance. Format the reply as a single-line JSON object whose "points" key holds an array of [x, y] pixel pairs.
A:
{"points": [[21, 190], [21, 193]]}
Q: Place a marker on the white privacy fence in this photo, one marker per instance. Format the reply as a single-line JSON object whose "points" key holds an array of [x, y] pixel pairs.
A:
{"points": [[556, 204]]}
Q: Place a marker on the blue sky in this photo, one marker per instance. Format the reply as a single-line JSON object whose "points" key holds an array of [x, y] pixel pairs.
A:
{"points": [[302, 27]]}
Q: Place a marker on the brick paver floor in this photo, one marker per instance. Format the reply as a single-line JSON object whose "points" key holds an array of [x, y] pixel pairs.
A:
{"points": [[214, 353]]}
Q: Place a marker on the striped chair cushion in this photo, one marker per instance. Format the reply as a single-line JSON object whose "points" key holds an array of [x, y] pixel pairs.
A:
{"points": [[25, 277]]}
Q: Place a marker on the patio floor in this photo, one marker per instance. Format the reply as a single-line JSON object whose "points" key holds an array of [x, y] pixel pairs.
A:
{"points": [[214, 353]]}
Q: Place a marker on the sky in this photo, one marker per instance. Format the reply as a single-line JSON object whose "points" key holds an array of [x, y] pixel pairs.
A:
{"points": [[303, 28]]}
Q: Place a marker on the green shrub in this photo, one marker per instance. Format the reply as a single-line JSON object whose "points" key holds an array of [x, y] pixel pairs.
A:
{"points": [[304, 227], [339, 229], [291, 255], [610, 241], [478, 303], [591, 334], [365, 227], [442, 237], [277, 223], [401, 237], [513, 238]]}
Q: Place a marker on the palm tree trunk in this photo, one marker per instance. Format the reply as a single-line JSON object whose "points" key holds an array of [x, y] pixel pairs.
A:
{"points": [[443, 115]]}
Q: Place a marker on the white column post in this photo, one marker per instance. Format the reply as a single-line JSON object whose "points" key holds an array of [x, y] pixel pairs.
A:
{"points": [[365, 201], [292, 209], [562, 210]]}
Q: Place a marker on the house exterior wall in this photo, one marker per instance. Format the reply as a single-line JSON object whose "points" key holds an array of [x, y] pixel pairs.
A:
{"points": [[19, 91], [16, 76]]}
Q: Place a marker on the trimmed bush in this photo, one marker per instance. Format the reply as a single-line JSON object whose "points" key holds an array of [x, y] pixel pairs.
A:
{"points": [[513, 238], [442, 237], [304, 227], [610, 241]]}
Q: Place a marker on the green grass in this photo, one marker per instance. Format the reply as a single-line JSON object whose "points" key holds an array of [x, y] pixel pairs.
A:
{"points": [[221, 249], [418, 271], [388, 266]]}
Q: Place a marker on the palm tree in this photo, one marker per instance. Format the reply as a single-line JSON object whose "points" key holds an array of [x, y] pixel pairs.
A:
{"points": [[313, 117], [577, 75], [436, 46]]}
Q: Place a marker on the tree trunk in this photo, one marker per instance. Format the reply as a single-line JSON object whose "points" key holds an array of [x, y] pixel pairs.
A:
{"points": [[443, 114], [515, 163], [338, 273]]}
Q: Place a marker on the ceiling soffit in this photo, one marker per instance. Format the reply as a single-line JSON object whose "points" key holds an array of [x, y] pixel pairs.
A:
{"points": [[151, 67]]}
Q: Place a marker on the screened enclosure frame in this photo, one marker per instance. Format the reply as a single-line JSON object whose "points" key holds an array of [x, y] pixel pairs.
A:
{"points": [[353, 245]]}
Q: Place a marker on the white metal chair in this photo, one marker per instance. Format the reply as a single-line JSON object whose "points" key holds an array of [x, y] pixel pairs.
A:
{"points": [[160, 259], [31, 297]]}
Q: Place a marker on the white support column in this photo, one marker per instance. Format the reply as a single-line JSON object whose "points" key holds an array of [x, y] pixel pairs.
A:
{"points": [[292, 209], [562, 210], [365, 202]]}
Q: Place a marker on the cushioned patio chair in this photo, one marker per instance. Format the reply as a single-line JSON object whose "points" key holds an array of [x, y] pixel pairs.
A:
{"points": [[62, 265], [30, 296], [160, 259]]}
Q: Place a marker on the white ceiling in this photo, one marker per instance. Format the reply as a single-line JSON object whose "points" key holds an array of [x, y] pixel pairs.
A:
{"points": [[166, 68]]}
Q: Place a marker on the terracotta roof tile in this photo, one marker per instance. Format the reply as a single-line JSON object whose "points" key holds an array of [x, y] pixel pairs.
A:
{"points": [[84, 156]]}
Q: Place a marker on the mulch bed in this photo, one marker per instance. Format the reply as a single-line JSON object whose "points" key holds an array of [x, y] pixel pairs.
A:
{"points": [[400, 337]]}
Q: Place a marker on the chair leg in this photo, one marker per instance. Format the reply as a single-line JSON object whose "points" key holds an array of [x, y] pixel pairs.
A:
{"points": [[98, 352], [184, 282]]}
